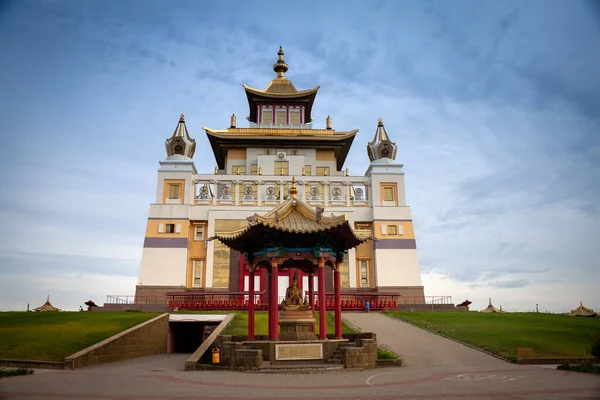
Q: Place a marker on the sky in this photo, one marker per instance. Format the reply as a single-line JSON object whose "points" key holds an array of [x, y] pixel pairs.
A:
{"points": [[495, 107]]}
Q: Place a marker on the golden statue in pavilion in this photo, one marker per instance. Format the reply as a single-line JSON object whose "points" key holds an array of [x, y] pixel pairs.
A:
{"points": [[293, 297]]}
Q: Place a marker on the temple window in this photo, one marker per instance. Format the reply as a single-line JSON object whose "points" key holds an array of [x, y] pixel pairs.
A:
{"points": [[198, 273], [267, 117], [345, 273], [363, 266], [199, 232], [363, 227], [294, 117], [174, 191], [254, 169], [307, 170], [322, 171], [282, 168], [221, 259], [178, 149], [280, 117], [238, 169], [388, 193], [169, 228], [392, 230]]}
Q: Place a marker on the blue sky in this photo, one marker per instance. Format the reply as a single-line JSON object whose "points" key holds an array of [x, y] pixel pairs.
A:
{"points": [[494, 106]]}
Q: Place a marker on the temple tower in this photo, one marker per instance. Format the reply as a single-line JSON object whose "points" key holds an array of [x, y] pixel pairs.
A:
{"points": [[395, 251]]}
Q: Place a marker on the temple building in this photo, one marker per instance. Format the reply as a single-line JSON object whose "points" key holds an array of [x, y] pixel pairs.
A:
{"points": [[255, 166]]}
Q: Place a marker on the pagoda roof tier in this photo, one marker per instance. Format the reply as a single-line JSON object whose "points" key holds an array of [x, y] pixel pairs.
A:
{"points": [[293, 224], [222, 140], [280, 90]]}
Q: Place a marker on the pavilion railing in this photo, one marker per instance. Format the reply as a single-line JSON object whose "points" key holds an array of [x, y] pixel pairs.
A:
{"points": [[239, 300]]}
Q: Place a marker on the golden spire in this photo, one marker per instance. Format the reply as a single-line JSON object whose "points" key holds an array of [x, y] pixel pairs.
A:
{"points": [[182, 118], [328, 122], [293, 190], [280, 67]]}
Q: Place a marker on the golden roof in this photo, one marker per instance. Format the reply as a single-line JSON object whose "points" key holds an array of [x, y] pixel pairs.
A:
{"points": [[583, 311], [259, 132], [47, 306], [281, 87], [490, 308]]}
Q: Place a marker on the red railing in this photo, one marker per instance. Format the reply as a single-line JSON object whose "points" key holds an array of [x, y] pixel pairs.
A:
{"points": [[239, 300]]}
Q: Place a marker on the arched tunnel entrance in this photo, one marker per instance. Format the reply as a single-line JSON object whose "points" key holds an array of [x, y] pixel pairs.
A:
{"points": [[188, 331]]}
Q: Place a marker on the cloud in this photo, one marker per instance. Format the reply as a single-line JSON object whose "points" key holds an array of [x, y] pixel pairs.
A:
{"points": [[492, 109], [512, 284]]}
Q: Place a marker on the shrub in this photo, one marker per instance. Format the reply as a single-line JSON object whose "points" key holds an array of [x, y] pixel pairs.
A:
{"points": [[14, 372], [595, 347], [385, 354]]}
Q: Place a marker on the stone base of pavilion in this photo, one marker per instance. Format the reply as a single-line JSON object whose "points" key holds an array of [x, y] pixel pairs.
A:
{"points": [[352, 351]]}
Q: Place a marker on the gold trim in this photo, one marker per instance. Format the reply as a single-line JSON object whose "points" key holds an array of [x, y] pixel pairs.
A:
{"points": [[299, 93], [232, 132]]}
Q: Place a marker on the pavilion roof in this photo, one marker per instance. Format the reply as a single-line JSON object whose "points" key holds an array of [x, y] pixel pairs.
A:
{"points": [[47, 306], [285, 222], [490, 308], [583, 311]]}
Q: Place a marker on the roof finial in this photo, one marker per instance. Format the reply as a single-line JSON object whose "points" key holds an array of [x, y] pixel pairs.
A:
{"points": [[379, 122], [181, 118], [280, 67], [293, 190]]}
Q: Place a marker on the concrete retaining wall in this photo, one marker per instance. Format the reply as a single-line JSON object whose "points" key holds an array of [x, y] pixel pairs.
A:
{"points": [[364, 355], [193, 362], [144, 339]]}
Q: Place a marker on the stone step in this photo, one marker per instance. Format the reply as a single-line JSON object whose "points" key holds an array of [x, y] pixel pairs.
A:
{"points": [[299, 369]]}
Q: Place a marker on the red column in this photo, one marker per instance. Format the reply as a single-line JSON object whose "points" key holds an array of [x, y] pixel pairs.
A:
{"points": [[322, 299], [338, 303], [273, 303], [311, 291], [251, 305], [263, 284], [290, 275]]}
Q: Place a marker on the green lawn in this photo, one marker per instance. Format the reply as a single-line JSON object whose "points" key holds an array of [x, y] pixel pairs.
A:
{"points": [[549, 335], [52, 336]]}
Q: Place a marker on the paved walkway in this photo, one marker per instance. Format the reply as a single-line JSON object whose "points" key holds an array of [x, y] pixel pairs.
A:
{"points": [[437, 369], [421, 349]]}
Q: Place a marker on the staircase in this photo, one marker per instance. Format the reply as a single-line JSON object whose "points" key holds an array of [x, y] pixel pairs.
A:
{"points": [[339, 355]]}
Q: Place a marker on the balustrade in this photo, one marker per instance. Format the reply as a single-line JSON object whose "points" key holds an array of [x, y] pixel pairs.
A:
{"points": [[253, 190]]}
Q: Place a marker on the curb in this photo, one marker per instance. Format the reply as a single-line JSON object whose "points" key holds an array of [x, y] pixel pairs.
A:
{"points": [[32, 364]]}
